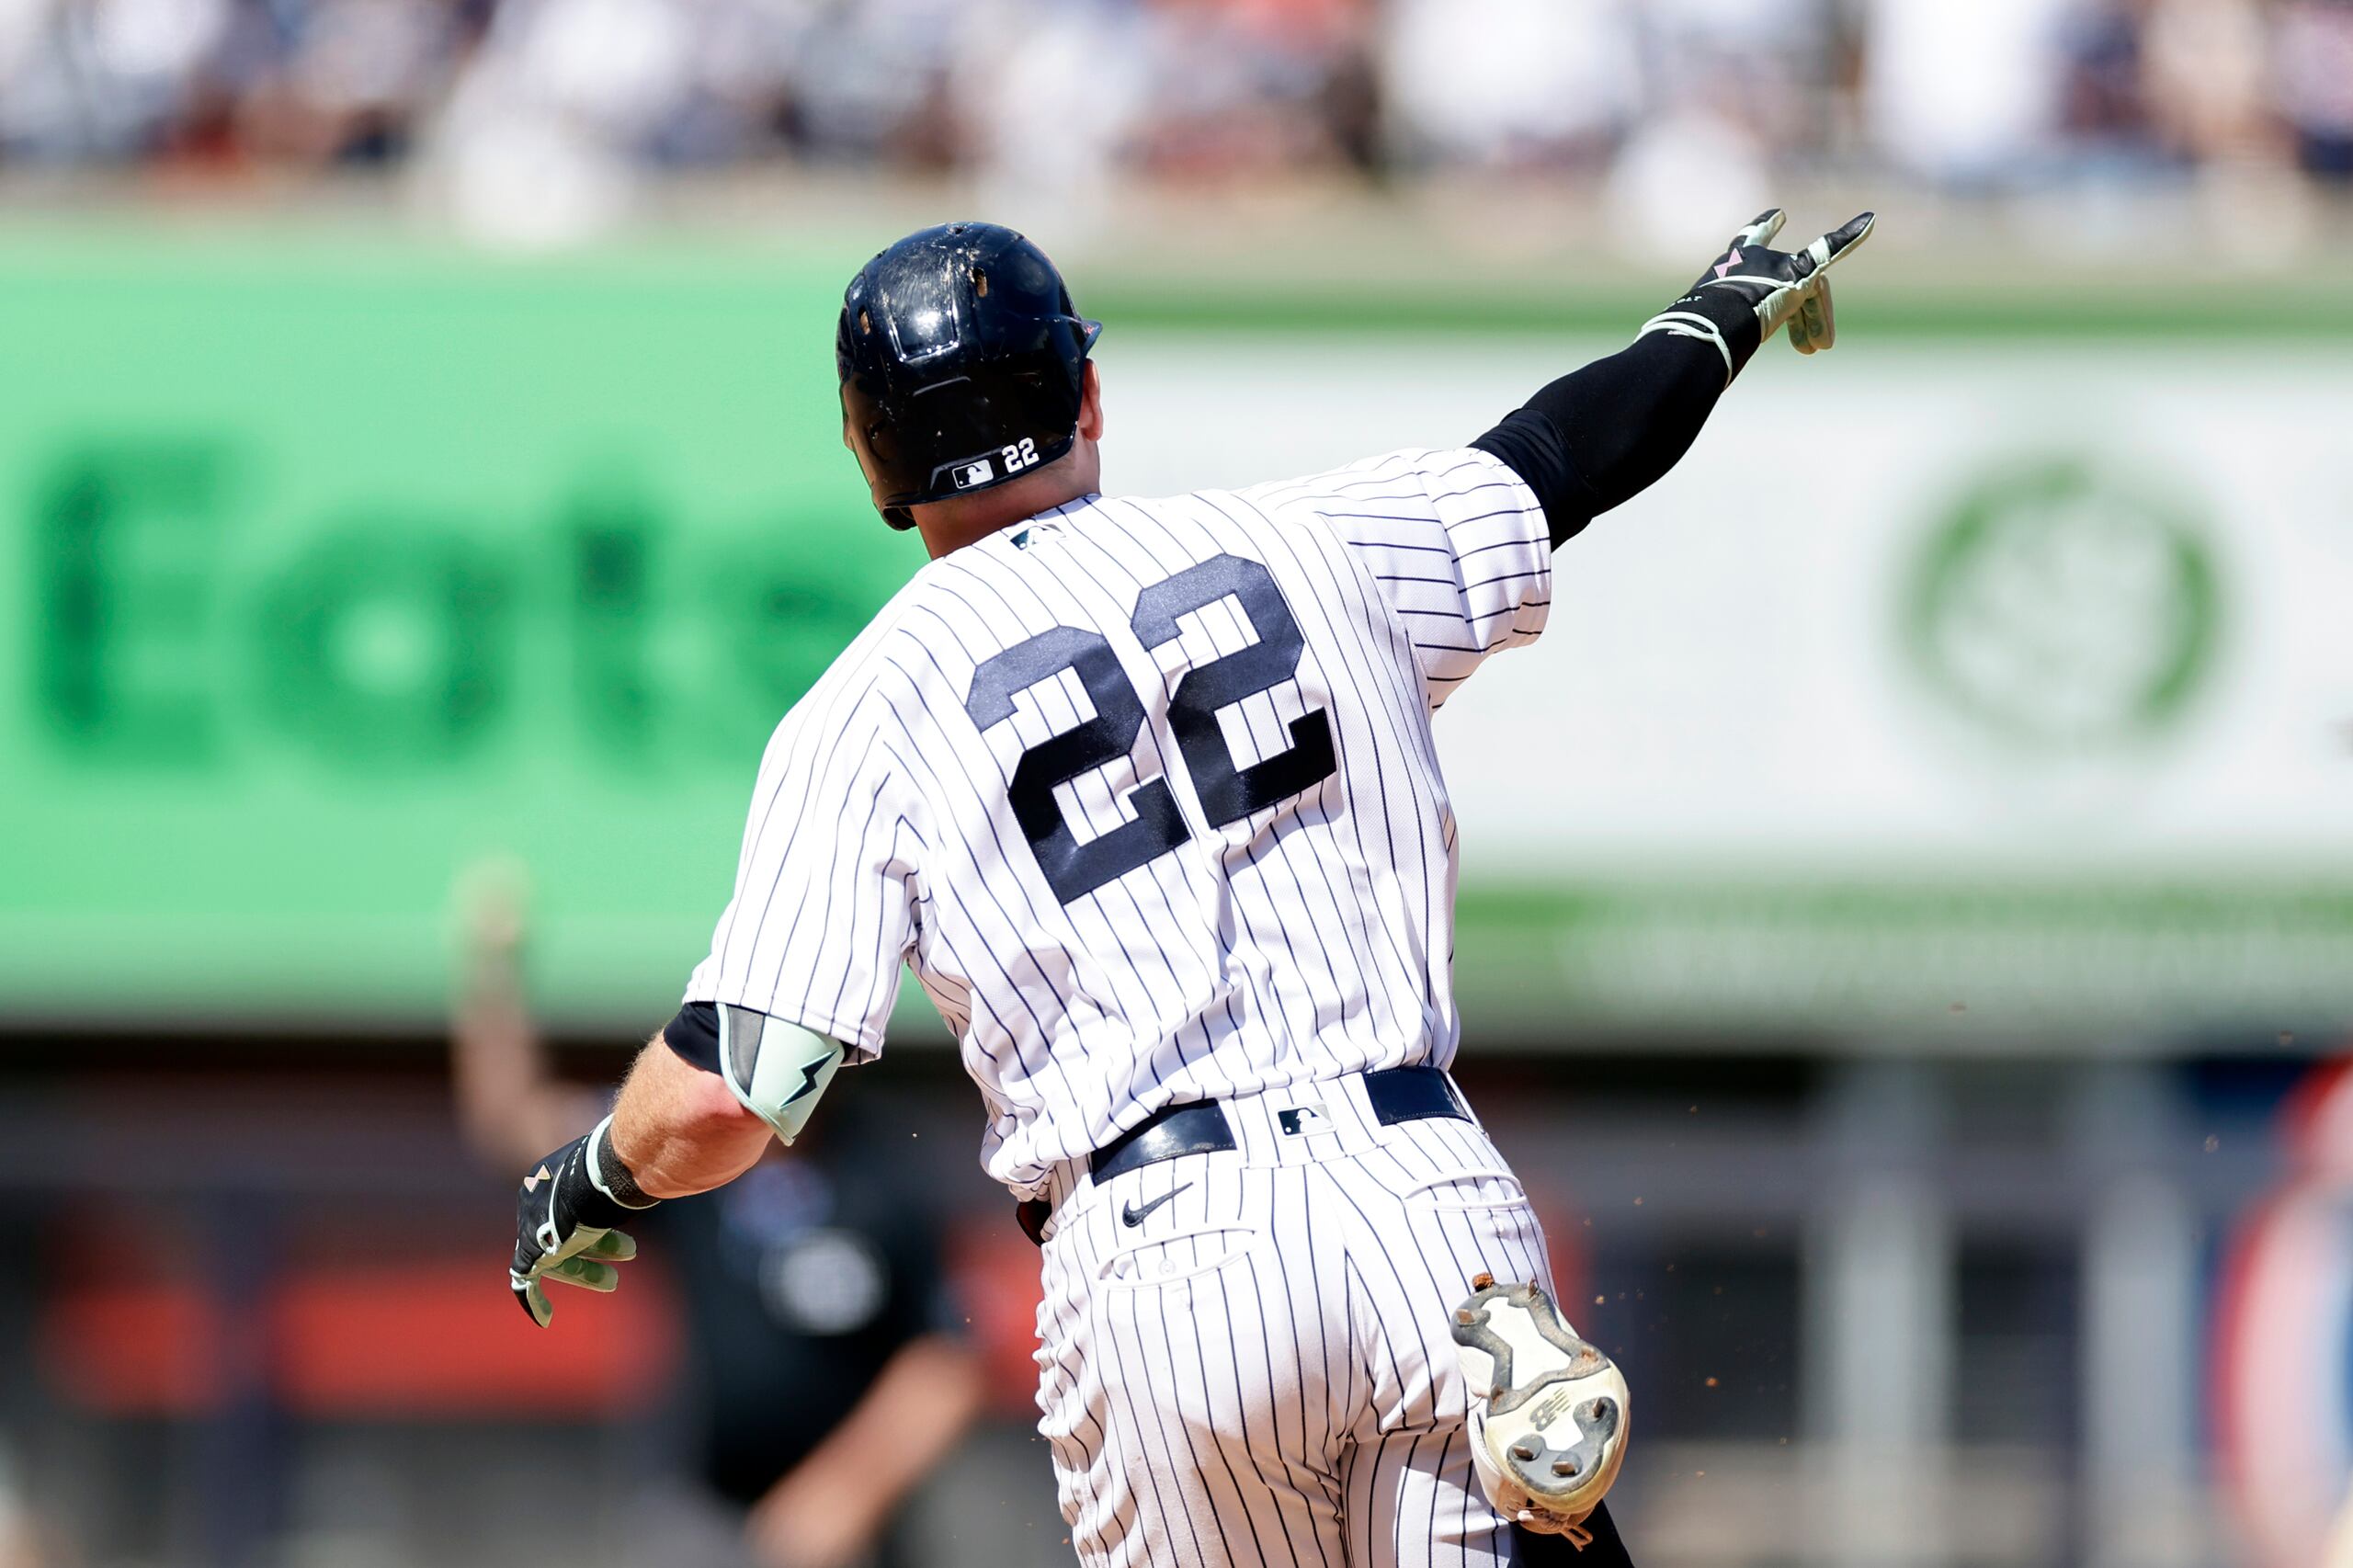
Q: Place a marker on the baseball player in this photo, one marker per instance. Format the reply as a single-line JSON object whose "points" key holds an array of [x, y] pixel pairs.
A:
{"points": [[1146, 794]]}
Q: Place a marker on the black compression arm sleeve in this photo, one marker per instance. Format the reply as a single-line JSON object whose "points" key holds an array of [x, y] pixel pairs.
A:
{"points": [[1600, 436], [693, 1035]]}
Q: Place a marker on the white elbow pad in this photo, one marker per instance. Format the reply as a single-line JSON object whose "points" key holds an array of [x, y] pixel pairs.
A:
{"points": [[777, 1069]]}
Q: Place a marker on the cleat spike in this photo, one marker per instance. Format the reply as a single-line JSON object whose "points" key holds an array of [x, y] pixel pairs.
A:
{"points": [[1524, 1451], [1480, 1282], [1564, 1467]]}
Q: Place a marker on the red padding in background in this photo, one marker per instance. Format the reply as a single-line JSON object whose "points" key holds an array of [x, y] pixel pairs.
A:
{"points": [[420, 1339]]}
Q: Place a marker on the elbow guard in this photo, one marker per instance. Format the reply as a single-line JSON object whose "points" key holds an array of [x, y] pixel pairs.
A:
{"points": [[776, 1069]]}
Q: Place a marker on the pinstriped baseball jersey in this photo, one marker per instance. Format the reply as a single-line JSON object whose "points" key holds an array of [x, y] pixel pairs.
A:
{"points": [[1146, 794]]}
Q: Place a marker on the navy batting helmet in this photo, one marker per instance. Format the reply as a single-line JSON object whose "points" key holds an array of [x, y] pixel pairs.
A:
{"points": [[962, 361]]}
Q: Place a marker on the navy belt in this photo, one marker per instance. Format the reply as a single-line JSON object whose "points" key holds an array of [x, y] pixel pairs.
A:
{"points": [[1397, 1093]]}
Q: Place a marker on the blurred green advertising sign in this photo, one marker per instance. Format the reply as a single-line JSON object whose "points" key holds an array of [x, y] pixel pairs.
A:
{"points": [[396, 642], [2062, 609], [323, 575], [319, 584]]}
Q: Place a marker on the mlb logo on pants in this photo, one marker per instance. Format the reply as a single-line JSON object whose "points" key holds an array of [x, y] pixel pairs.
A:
{"points": [[1309, 1118]]}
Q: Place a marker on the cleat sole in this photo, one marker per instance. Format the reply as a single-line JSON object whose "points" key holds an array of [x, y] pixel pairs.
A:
{"points": [[1555, 1421]]}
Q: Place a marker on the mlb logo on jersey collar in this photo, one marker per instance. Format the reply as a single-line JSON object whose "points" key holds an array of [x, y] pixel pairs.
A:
{"points": [[1308, 1119]]}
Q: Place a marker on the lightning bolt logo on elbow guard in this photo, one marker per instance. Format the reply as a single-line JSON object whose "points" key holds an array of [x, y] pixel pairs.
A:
{"points": [[777, 1069], [809, 1072]]}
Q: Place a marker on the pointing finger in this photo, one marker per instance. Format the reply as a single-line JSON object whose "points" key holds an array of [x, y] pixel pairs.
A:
{"points": [[1761, 228], [1842, 239]]}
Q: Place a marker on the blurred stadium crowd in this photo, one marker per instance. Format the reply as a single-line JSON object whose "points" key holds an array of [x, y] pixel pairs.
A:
{"points": [[569, 101]]}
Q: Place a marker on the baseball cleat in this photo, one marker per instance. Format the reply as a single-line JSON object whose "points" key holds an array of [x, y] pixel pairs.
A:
{"points": [[1547, 1411]]}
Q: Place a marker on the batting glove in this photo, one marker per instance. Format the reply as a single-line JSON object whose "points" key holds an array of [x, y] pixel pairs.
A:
{"points": [[1788, 286], [565, 1217], [1777, 288]]}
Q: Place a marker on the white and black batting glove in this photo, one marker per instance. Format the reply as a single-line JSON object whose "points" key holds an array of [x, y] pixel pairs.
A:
{"points": [[1788, 286], [1780, 287], [565, 1217]]}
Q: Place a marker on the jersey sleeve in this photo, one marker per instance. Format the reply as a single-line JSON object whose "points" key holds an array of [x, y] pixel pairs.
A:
{"points": [[1457, 544], [824, 912]]}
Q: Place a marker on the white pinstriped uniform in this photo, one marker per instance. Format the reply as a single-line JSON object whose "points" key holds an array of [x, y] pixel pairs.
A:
{"points": [[1146, 793]]}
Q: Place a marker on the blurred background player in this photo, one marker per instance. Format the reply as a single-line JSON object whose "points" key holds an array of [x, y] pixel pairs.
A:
{"points": [[2284, 1356], [822, 1381]]}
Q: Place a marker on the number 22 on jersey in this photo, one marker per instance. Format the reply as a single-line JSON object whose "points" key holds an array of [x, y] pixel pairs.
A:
{"points": [[1227, 791]]}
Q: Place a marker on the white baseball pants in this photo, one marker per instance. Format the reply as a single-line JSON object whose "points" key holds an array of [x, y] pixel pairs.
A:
{"points": [[1245, 1355]]}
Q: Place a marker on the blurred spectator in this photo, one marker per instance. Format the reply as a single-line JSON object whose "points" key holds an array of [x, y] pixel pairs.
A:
{"points": [[543, 120], [2313, 51], [102, 79], [1680, 175], [2206, 78], [347, 84], [2104, 106], [1968, 96], [1733, 99], [1766, 64], [1508, 83], [1248, 86], [1051, 95], [825, 1383], [548, 116]]}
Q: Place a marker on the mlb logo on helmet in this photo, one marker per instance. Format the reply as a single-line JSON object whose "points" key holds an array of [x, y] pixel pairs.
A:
{"points": [[972, 475]]}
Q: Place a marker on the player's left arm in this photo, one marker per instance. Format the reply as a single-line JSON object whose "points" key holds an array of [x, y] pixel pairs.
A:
{"points": [[1600, 436], [683, 1124], [773, 1013], [681, 1129], [675, 1129], [697, 1110]]}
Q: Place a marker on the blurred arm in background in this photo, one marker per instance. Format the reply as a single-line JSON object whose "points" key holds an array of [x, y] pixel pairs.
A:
{"points": [[17, 1531], [677, 1128], [682, 1130], [510, 1103]]}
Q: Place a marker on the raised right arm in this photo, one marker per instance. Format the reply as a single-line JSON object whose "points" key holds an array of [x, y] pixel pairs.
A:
{"points": [[1599, 437]]}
